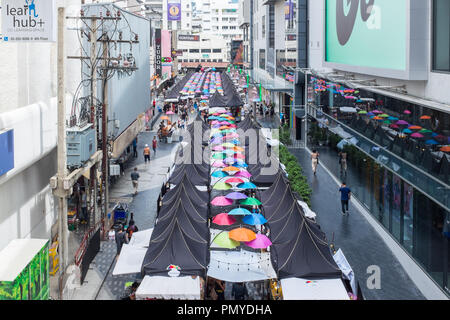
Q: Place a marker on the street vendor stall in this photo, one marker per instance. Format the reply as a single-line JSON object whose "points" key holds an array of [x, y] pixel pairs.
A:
{"points": [[306, 289], [170, 288]]}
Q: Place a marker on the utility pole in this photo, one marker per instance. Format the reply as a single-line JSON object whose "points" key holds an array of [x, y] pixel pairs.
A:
{"points": [[61, 192], [105, 160]]}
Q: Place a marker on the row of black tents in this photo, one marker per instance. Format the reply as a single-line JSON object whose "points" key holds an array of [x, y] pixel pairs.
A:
{"points": [[181, 235]]}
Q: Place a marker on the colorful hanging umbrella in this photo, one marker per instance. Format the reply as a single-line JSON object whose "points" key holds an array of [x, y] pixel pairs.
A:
{"points": [[441, 138], [242, 234], [407, 131], [402, 122], [218, 148], [416, 135], [219, 174], [170, 112], [425, 131], [394, 126], [243, 174], [239, 212], [393, 118], [239, 149], [425, 118], [254, 219], [221, 202], [261, 242], [223, 240], [386, 122], [229, 161], [246, 185], [445, 149], [362, 112], [224, 219], [250, 202], [230, 169], [218, 164], [228, 145], [431, 142], [217, 140], [407, 112], [377, 111], [229, 151], [370, 113], [239, 156], [236, 196], [384, 115], [234, 180], [377, 118], [414, 127], [218, 156], [222, 186]]}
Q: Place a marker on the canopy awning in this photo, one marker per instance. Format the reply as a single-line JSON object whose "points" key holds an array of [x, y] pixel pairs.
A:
{"points": [[305, 289], [169, 288]]}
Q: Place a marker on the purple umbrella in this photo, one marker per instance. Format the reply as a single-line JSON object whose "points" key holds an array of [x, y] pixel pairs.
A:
{"points": [[261, 242], [219, 164], [416, 135], [217, 140], [229, 160], [402, 122], [236, 196], [221, 202], [377, 111], [243, 174]]}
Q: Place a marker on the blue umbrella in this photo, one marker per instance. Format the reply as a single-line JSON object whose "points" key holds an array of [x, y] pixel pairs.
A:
{"points": [[239, 212], [431, 141], [229, 151], [236, 196], [246, 185], [392, 118], [254, 219], [434, 134], [235, 141], [407, 131], [240, 165], [219, 174]]}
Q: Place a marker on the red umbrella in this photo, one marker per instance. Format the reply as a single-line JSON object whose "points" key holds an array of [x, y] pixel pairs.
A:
{"points": [[239, 156], [234, 180], [224, 219]]}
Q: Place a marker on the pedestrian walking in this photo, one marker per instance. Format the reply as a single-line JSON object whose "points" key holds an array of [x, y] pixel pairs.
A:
{"points": [[314, 160], [135, 154], [147, 153], [121, 237], [134, 179], [346, 193], [132, 227], [219, 287], [84, 214], [154, 145], [343, 161]]}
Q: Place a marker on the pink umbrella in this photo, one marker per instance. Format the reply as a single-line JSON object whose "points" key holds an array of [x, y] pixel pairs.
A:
{"points": [[170, 112], [221, 202], [215, 122], [234, 180], [407, 112], [377, 111], [232, 135], [243, 174], [224, 219], [261, 242], [219, 164], [218, 148], [416, 135]]}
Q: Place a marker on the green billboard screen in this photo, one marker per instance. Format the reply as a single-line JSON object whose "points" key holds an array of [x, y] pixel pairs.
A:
{"points": [[366, 33]]}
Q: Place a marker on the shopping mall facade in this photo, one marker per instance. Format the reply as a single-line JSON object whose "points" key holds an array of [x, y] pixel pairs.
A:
{"points": [[381, 93]]}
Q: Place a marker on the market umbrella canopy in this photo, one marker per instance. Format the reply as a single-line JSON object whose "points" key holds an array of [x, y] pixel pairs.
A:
{"points": [[243, 174], [218, 156], [261, 242], [236, 196], [391, 118], [254, 219], [417, 135], [230, 169], [228, 145], [222, 186], [445, 149], [218, 148], [425, 118], [247, 185], [221, 202], [223, 219], [219, 174], [234, 180], [431, 142], [402, 122], [414, 127], [242, 234], [239, 212], [239, 156], [239, 149], [229, 161], [384, 115], [219, 164], [362, 112], [407, 131], [426, 131], [229, 151], [407, 112], [251, 202], [223, 240]]}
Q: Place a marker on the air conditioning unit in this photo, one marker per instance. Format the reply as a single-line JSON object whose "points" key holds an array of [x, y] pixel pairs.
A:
{"points": [[81, 145]]}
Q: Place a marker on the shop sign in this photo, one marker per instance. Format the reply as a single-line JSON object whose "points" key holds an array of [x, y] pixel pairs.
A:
{"points": [[188, 37], [158, 50], [174, 10], [28, 20]]}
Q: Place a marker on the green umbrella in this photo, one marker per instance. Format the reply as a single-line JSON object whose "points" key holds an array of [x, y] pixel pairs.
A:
{"points": [[251, 202], [384, 115], [223, 240], [219, 156], [222, 186], [362, 112], [386, 122], [425, 131], [228, 145]]}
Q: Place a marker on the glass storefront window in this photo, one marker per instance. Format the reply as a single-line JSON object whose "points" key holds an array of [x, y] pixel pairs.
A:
{"points": [[408, 221], [396, 206], [441, 35]]}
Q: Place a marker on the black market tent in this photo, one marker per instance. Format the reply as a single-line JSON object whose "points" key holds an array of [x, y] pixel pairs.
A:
{"points": [[194, 153], [181, 238], [197, 174], [264, 174], [248, 123], [299, 248], [175, 91], [217, 101], [195, 200], [230, 98]]}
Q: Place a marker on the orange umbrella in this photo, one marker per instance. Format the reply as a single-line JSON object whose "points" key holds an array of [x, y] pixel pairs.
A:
{"points": [[224, 127], [242, 234], [164, 118], [377, 118], [229, 169], [425, 117], [238, 149], [445, 149], [415, 127]]}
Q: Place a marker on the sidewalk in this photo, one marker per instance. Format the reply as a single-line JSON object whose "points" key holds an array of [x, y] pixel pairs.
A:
{"points": [[99, 283], [360, 243]]}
